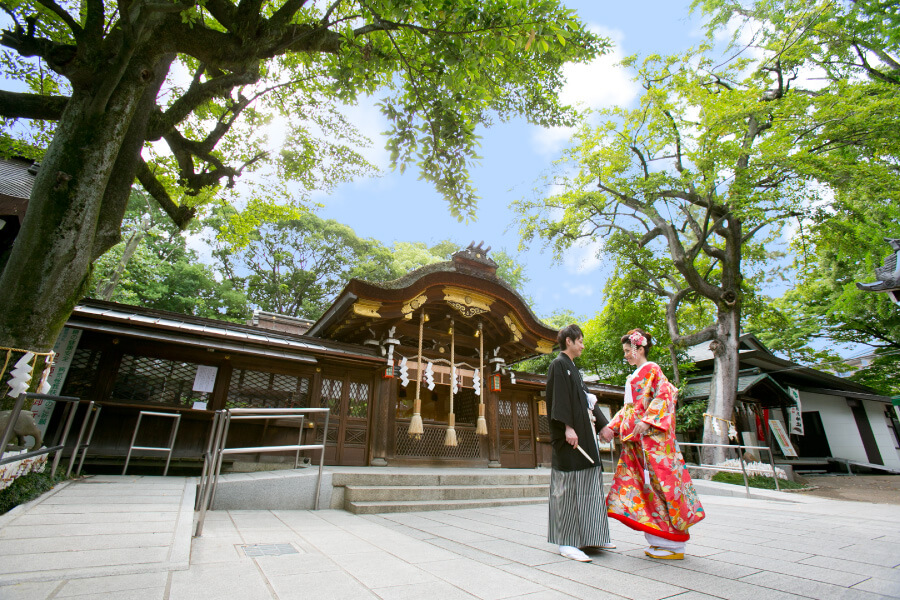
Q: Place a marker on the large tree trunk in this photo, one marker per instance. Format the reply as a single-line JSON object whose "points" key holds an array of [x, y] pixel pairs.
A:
{"points": [[76, 205], [724, 383]]}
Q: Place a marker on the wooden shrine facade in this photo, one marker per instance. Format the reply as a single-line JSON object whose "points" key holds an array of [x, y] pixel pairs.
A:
{"points": [[382, 354]]}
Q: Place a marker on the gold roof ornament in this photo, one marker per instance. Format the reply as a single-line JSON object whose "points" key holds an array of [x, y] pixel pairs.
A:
{"points": [[367, 308], [410, 307], [544, 347], [515, 327], [469, 303]]}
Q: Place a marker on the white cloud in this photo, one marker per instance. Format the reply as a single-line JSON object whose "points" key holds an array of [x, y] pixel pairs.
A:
{"points": [[583, 290], [601, 83], [367, 118], [584, 258]]}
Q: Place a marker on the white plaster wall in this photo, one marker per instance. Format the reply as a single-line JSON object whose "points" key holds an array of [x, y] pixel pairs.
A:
{"points": [[840, 426], [883, 437]]}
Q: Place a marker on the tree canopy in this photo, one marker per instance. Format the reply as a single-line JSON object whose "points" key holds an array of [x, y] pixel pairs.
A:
{"points": [[178, 95], [700, 180], [155, 268]]}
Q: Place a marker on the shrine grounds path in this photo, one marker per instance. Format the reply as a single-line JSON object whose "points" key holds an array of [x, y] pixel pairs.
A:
{"points": [[129, 538]]}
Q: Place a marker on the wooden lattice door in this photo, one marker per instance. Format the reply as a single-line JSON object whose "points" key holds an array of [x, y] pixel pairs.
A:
{"points": [[516, 421], [347, 436]]}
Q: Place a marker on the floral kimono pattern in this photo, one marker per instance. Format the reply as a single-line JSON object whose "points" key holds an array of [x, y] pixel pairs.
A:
{"points": [[663, 501]]}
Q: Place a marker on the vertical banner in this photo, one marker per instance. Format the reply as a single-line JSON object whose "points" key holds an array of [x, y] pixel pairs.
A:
{"points": [[65, 347], [795, 412]]}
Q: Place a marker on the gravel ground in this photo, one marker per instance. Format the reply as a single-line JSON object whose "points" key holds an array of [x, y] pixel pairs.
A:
{"points": [[880, 489]]}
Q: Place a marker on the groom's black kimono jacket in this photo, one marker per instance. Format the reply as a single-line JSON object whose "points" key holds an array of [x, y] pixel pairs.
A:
{"points": [[567, 405]]}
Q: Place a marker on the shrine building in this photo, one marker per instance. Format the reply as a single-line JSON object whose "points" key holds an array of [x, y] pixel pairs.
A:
{"points": [[416, 371]]}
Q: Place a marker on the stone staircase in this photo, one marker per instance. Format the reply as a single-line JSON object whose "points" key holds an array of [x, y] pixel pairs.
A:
{"points": [[374, 491]]}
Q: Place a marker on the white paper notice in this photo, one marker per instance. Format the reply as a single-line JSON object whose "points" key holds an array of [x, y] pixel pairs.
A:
{"points": [[205, 379]]}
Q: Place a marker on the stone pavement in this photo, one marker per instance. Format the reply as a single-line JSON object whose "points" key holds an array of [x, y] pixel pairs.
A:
{"points": [[128, 538]]}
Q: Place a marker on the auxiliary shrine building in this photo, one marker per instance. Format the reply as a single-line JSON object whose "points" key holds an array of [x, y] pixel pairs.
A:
{"points": [[415, 372]]}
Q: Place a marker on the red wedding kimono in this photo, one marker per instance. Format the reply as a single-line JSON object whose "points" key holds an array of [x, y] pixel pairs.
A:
{"points": [[669, 505]]}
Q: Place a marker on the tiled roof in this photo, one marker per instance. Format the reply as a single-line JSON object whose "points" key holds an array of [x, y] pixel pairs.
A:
{"points": [[15, 180]]}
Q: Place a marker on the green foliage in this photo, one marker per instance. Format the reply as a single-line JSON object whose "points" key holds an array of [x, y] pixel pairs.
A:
{"points": [[409, 256], [694, 188], [841, 245], [758, 481], [296, 265], [163, 273], [626, 306], [690, 416], [541, 364], [441, 70], [510, 270], [28, 487]]}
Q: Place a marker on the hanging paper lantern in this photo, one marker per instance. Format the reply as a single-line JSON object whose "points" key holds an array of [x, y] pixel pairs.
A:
{"points": [[389, 370], [495, 382]]}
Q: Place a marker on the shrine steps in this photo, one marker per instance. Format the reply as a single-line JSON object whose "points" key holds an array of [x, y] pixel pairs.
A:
{"points": [[372, 492]]}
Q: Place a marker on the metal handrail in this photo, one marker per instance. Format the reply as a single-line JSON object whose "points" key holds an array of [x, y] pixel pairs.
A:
{"points": [[173, 433], [218, 437], [740, 457], [57, 448]]}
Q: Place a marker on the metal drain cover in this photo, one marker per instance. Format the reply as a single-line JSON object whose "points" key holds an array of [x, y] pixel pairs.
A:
{"points": [[257, 550]]}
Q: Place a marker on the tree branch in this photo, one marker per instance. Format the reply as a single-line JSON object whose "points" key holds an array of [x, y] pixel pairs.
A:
{"points": [[14, 105], [71, 23], [180, 215]]}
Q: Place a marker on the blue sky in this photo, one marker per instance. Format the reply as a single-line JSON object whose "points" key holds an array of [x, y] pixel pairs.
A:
{"points": [[398, 207]]}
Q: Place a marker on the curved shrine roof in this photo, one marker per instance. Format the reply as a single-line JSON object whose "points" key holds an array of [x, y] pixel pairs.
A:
{"points": [[464, 292]]}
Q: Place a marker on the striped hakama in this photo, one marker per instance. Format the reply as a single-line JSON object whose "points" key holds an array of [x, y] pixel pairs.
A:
{"points": [[577, 508]]}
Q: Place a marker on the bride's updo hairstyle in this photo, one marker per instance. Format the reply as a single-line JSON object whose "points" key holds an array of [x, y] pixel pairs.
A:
{"points": [[639, 337]]}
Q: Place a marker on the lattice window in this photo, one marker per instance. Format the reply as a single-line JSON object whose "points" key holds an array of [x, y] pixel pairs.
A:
{"points": [[358, 405], [523, 412], [504, 410], [432, 443], [331, 395], [141, 379], [82, 374], [507, 444], [257, 389], [465, 406], [543, 425], [524, 444], [355, 437], [332, 435]]}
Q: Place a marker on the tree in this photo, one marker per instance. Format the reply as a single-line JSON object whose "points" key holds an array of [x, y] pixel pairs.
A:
{"points": [[412, 255], [409, 256], [296, 266], [842, 244], [627, 306], [854, 47], [703, 176], [155, 268], [695, 181], [541, 364], [111, 77]]}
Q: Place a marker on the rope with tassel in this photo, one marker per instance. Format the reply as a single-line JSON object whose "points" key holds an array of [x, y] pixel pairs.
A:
{"points": [[450, 437], [416, 429], [481, 424]]}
